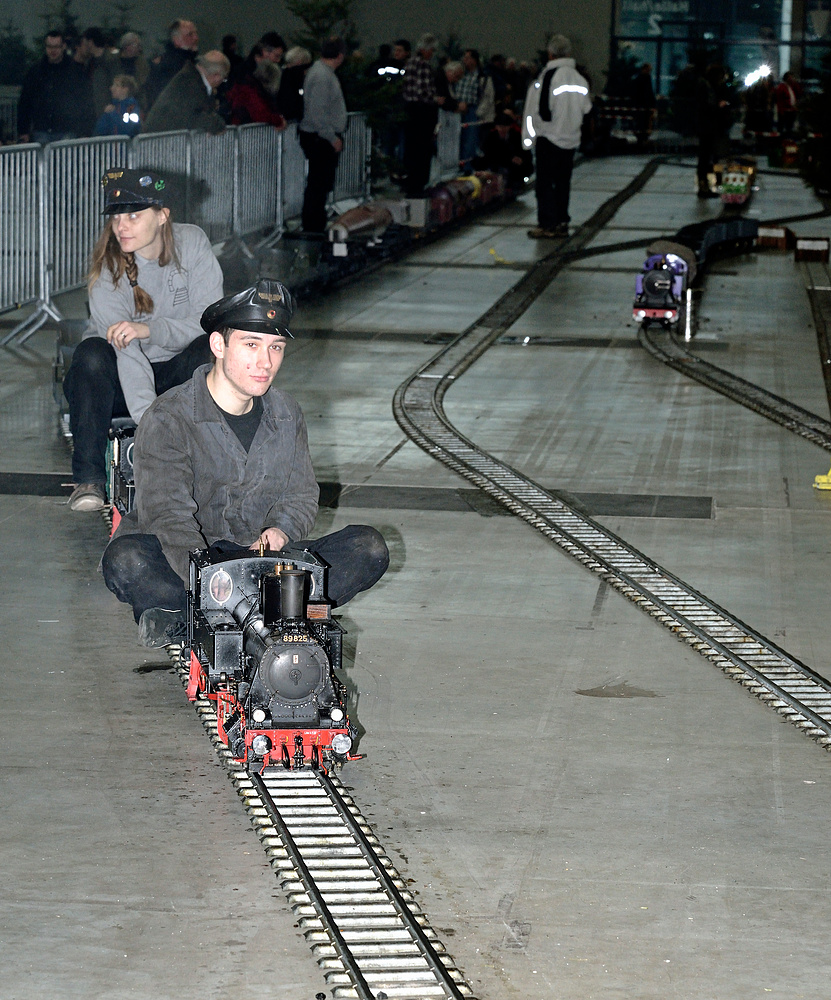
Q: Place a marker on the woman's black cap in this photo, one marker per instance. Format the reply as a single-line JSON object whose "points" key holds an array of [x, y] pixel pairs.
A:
{"points": [[131, 190], [267, 307]]}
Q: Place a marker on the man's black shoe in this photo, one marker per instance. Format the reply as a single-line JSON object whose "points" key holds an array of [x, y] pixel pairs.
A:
{"points": [[158, 627]]}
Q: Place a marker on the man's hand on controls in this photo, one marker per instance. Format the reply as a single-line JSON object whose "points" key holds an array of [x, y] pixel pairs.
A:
{"points": [[271, 539]]}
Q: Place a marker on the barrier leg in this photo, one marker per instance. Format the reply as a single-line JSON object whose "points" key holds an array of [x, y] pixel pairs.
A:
{"points": [[25, 329]]}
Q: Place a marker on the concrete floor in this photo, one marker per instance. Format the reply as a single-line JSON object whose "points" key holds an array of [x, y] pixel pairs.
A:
{"points": [[585, 806]]}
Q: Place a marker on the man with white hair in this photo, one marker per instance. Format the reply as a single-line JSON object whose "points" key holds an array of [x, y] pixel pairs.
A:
{"points": [[189, 101], [551, 124]]}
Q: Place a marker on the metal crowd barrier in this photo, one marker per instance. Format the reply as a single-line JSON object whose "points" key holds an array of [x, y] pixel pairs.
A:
{"points": [[72, 203], [293, 174], [171, 155], [20, 242], [258, 180], [447, 144], [212, 207], [352, 178], [247, 179]]}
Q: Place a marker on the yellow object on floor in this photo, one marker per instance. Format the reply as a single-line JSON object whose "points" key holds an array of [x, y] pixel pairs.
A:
{"points": [[823, 482]]}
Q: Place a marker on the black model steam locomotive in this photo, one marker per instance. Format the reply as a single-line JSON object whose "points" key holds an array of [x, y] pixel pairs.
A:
{"points": [[265, 649]]}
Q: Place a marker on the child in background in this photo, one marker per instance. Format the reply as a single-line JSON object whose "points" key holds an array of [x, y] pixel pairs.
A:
{"points": [[122, 116]]}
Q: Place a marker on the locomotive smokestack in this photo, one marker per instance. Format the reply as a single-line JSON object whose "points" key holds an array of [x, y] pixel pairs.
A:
{"points": [[292, 593]]}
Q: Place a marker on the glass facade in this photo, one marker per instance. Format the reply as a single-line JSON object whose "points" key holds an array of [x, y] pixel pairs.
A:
{"points": [[743, 34]]}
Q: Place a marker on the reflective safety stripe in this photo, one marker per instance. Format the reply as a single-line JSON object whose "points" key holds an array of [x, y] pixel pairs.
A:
{"points": [[569, 88]]}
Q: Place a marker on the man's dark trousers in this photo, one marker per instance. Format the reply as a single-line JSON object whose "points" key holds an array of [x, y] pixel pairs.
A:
{"points": [[419, 145], [136, 571], [323, 164], [553, 185]]}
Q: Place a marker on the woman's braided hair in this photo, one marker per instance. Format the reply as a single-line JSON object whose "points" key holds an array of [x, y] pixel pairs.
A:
{"points": [[107, 253]]}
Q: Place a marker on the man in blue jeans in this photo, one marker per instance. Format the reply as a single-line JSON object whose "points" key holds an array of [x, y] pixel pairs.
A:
{"points": [[223, 461]]}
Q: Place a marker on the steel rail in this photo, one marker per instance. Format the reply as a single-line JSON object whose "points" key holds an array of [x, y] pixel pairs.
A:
{"points": [[421, 939], [664, 346], [703, 624], [791, 687], [324, 822], [310, 886], [368, 935]]}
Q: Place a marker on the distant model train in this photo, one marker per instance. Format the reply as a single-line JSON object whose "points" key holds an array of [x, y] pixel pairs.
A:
{"points": [[661, 286], [736, 178], [674, 265], [441, 206], [265, 650]]}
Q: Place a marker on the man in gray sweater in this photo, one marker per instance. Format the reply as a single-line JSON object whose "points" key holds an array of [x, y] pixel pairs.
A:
{"points": [[321, 131]]}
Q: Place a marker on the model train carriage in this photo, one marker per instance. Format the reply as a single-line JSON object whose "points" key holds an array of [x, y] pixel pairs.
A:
{"points": [[264, 647], [736, 179]]}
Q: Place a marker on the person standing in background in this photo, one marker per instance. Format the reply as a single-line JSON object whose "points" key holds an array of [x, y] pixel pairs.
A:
{"points": [[321, 131], [421, 105], [181, 48], [552, 122], [189, 101], [56, 97]]}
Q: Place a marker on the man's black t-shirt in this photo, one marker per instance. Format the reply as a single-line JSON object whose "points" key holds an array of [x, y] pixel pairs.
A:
{"points": [[245, 425]]}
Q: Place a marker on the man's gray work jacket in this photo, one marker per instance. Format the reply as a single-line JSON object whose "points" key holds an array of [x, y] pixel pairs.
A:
{"points": [[195, 485]]}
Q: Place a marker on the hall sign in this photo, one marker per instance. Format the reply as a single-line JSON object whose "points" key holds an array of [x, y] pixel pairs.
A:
{"points": [[644, 17]]}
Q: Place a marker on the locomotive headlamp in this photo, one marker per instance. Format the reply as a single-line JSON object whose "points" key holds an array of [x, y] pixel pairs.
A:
{"points": [[260, 745], [341, 743], [336, 715], [640, 314], [258, 715]]}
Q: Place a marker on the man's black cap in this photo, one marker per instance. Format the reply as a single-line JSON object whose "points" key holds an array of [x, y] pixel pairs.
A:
{"points": [[131, 190], [265, 308]]}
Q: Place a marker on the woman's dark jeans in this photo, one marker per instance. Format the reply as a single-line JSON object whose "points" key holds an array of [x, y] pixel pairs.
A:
{"points": [[94, 393]]}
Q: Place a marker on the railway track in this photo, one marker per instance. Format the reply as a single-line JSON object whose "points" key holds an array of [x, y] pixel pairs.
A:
{"points": [[365, 929], [368, 934], [664, 345], [792, 688]]}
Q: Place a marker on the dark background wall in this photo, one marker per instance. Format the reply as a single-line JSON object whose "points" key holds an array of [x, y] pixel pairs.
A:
{"points": [[514, 27]]}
